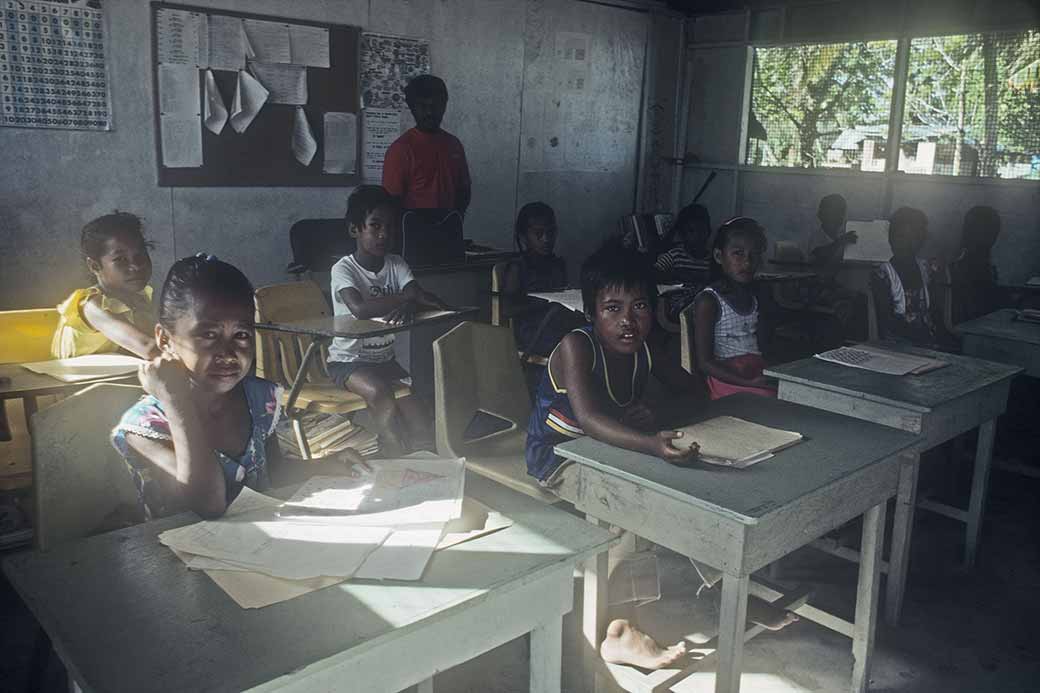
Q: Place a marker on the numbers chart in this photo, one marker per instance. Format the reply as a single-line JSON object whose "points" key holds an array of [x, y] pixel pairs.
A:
{"points": [[52, 66]]}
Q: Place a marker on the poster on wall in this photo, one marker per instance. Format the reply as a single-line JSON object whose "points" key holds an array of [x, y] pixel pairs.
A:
{"points": [[387, 63], [381, 126], [52, 66]]}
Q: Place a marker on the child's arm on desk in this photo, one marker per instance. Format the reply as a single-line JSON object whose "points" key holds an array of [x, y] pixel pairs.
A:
{"points": [[706, 310], [572, 368], [423, 298], [119, 330]]}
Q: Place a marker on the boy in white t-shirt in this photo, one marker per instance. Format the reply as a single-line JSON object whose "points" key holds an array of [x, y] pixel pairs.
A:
{"points": [[374, 283]]}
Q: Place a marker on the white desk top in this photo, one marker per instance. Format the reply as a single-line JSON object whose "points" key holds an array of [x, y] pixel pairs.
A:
{"points": [[1002, 324], [127, 615]]}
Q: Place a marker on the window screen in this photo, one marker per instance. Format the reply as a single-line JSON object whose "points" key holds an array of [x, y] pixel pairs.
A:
{"points": [[821, 106], [973, 106]]}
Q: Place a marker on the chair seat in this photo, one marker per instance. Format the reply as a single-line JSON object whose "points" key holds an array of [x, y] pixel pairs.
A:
{"points": [[329, 398], [501, 459]]}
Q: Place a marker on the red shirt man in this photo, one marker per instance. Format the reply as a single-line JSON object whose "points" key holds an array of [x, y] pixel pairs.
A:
{"points": [[426, 166]]}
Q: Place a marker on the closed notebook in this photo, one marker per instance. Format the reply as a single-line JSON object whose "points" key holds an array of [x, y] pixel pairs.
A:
{"points": [[732, 442]]}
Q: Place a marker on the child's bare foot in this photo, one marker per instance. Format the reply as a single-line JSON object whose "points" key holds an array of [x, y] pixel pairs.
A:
{"points": [[762, 613], [627, 645]]}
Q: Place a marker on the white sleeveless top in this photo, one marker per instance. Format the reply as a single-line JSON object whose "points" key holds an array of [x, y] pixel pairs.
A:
{"points": [[735, 333]]}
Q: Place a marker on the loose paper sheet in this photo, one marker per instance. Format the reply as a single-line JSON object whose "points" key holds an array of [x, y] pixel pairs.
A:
{"points": [[182, 37], [381, 126], [89, 367], [250, 96], [572, 61], [733, 442], [267, 42], [878, 360], [181, 142], [227, 46], [304, 146], [871, 241], [179, 91], [309, 45], [286, 83], [340, 143], [215, 114]]}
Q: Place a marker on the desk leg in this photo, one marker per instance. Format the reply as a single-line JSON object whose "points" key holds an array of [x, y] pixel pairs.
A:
{"points": [[979, 484], [294, 392], [732, 620], [867, 596], [547, 656], [594, 610], [902, 531], [29, 404]]}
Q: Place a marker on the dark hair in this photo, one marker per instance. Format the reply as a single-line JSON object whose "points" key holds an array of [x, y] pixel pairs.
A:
{"points": [[831, 202], [200, 274], [908, 219], [364, 200], [425, 85], [737, 226], [688, 215], [612, 266], [98, 231], [532, 210], [981, 228]]}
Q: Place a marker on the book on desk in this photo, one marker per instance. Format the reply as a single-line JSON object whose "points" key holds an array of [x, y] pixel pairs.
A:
{"points": [[727, 441]]}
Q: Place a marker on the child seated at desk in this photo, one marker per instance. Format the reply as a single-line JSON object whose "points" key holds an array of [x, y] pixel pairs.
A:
{"points": [[726, 319], [902, 287], [827, 242], [686, 256], [116, 312], [206, 427], [593, 385], [537, 326], [375, 283], [973, 276]]}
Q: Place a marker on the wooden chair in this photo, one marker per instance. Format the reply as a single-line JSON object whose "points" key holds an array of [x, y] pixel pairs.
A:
{"points": [[279, 355], [476, 369], [498, 273], [27, 334], [79, 479]]}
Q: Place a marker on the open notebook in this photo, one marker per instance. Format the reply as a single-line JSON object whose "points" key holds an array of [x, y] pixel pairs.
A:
{"points": [[732, 442], [881, 360]]}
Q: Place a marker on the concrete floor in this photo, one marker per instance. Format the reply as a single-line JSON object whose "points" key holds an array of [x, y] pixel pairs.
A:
{"points": [[963, 631]]}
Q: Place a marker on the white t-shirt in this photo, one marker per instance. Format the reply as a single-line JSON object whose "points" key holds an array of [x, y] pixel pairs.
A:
{"points": [[390, 280]]}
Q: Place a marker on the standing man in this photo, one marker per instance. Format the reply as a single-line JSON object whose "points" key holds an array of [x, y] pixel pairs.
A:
{"points": [[426, 167]]}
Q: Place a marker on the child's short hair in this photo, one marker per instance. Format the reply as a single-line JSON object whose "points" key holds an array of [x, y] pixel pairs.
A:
{"points": [[737, 226], [364, 200], [98, 231], [200, 274], [908, 219], [688, 215], [612, 266], [532, 210], [422, 86], [981, 228], [831, 203]]}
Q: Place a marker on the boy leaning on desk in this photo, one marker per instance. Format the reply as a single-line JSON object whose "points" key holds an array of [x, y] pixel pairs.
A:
{"points": [[593, 385]]}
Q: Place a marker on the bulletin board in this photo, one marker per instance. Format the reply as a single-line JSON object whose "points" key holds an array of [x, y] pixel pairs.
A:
{"points": [[204, 58]]}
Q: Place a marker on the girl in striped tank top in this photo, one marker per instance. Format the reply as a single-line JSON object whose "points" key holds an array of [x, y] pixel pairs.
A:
{"points": [[726, 324]]}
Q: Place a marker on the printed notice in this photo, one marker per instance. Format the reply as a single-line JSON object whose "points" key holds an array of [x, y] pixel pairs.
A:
{"points": [[178, 90], [287, 83], [181, 142], [182, 37], [381, 126], [309, 45], [267, 42], [227, 45], [387, 63], [572, 61], [340, 143]]}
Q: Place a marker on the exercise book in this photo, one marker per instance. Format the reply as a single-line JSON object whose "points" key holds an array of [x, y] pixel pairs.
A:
{"points": [[731, 442], [871, 241], [880, 360]]}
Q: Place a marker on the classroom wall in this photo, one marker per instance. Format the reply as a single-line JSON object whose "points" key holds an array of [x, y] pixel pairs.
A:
{"points": [[495, 55]]}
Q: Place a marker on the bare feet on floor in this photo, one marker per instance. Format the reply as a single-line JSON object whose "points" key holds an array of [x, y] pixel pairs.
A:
{"points": [[762, 613], [625, 644]]}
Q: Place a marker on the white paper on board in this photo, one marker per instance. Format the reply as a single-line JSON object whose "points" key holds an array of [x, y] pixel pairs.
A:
{"points": [[309, 45], [380, 127], [227, 46], [178, 90], [181, 141], [215, 113], [286, 83], [304, 146], [250, 96], [182, 37], [340, 143], [267, 42]]}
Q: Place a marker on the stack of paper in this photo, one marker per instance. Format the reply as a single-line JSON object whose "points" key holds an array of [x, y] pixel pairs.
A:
{"points": [[327, 434], [732, 442], [881, 360]]}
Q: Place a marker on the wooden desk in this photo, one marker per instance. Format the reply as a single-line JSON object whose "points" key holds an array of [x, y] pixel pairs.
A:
{"points": [[740, 521], [18, 382], [1000, 337], [571, 298], [125, 614], [937, 406]]}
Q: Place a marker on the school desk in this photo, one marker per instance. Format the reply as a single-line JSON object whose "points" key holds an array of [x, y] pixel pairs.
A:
{"points": [[741, 520], [1001, 336], [18, 382], [125, 614], [571, 298], [936, 406]]}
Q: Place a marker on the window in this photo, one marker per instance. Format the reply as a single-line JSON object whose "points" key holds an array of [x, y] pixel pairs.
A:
{"points": [[973, 106], [821, 106]]}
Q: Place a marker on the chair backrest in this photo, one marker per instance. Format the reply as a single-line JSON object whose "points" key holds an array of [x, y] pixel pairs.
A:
{"points": [[476, 368], [318, 243], [278, 354], [78, 477], [498, 274], [27, 334], [687, 357]]}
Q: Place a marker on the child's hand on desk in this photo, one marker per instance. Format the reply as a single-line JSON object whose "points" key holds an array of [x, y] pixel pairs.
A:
{"points": [[666, 448], [848, 237], [165, 378], [402, 314]]}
